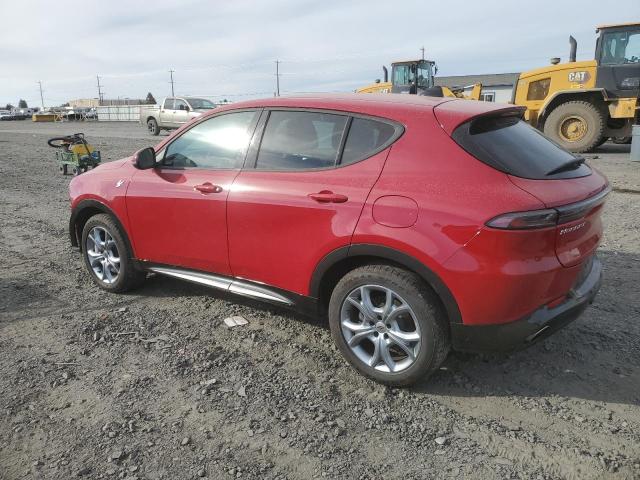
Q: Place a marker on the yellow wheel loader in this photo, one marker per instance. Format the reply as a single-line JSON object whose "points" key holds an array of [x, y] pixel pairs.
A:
{"points": [[581, 104], [415, 77]]}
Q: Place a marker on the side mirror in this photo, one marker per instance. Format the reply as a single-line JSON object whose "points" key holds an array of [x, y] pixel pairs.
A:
{"points": [[145, 159], [187, 108]]}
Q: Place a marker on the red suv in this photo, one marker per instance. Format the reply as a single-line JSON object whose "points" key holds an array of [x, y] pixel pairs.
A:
{"points": [[415, 224]]}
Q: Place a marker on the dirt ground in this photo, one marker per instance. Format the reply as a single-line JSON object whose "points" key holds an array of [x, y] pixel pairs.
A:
{"points": [[152, 385]]}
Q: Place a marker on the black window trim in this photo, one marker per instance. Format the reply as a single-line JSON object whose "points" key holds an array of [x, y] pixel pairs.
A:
{"points": [[252, 130], [256, 142]]}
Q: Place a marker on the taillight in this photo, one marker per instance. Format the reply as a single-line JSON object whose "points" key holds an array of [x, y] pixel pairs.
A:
{"points": [[551, 216], [525, 220]]}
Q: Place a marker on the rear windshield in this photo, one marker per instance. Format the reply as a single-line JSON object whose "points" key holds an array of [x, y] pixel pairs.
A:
{"points": [[510, 145]]}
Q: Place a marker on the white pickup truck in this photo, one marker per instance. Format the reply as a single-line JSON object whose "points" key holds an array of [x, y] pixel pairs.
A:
{"points": [[173, 112]]}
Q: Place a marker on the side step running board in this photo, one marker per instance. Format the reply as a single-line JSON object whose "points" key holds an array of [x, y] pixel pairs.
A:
{"points": [[223, 283]]}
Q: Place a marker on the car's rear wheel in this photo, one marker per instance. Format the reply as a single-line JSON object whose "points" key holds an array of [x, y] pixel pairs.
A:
{"points": [[388, 324], [152, 126], [107, 256]]}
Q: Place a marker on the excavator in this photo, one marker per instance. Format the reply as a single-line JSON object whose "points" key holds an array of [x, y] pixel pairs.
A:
{"points": [[415, 77]]}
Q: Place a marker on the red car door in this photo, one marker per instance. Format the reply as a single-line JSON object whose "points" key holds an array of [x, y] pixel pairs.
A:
{"points": [[304, 195], [177, 210]]}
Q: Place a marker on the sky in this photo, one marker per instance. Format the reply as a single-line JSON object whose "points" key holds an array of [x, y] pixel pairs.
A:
{"points": [[227, 49]]}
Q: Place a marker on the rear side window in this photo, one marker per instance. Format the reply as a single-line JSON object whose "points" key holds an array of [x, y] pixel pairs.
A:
{"points": [[512, 146], [168, 103], [366, 137], [301, 140]]}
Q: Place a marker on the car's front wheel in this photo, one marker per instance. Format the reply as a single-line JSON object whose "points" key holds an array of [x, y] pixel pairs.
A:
{"points": [[388, 324], [107, 256]]}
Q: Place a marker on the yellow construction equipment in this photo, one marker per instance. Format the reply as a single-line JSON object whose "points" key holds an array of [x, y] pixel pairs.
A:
{"points": [[581, 104], [415, 77]]}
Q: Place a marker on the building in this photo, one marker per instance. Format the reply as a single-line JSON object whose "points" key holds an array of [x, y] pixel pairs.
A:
{"points": [[496, 87]]}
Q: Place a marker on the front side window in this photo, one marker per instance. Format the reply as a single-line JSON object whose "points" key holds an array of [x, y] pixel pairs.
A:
{"points": [[218, 143], [168, 103], [180, 105], [619, 48], [300, 140], [201, 104]]}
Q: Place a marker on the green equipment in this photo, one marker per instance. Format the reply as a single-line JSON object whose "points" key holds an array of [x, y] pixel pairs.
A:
{"points": [[74, 154]]}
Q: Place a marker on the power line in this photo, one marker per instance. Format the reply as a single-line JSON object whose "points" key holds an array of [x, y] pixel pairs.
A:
{"points": [[41, 96], [278, 78], [171, 72]]}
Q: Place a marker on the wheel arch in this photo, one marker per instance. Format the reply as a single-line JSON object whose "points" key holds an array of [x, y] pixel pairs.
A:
{"points": [[339, 262], [597, 96], [83, 212]]}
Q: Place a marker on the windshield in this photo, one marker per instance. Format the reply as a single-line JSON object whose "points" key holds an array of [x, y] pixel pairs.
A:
{"points": [[620, 47], [424, 75], [201, 104], [405, 74]]}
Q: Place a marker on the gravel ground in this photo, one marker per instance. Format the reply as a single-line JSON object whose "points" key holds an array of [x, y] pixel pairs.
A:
{"points": [[153, 385]]}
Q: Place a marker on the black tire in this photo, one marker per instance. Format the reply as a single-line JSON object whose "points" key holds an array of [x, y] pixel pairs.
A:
{"points": [[592, 117], [602, 141], [434, 331], [76, 171], [128, 277], [152, 126], [621, 140]]}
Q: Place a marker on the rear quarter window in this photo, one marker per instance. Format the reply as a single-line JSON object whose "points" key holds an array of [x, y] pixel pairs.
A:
{"points": [[510, 145], [367, 137]]}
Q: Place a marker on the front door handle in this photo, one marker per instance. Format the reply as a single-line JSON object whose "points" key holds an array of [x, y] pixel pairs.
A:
{"points": [[208, 188], [326, 196]]}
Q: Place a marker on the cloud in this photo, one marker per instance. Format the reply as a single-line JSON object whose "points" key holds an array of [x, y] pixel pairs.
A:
{"points": [[228, 49]]}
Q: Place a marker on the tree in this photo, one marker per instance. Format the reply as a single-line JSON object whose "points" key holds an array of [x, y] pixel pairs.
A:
{"points": [[22, 104], [150, 100], [9, 107]]}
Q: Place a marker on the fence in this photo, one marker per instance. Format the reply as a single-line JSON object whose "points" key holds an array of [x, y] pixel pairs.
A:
{"points": [[122, 113]]}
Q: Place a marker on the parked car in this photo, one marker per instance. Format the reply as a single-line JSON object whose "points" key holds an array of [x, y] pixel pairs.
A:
{"points": [[173, 112], [6, 115], [415, 224]]}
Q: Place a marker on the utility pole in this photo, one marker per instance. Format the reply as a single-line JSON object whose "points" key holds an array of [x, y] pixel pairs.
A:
{"points": [[171, 72], [422, 52], [278, 78], [41, 97], [99, 90]]}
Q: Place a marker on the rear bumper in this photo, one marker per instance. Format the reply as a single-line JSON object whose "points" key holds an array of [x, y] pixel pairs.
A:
{"points": [[526, 331]]}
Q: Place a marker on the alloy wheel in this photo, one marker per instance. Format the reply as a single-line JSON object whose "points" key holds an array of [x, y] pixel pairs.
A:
{"points": [[380, 328], [102, 254]]}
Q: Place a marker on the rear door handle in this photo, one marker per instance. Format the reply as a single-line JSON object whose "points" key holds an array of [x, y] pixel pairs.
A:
{"points": [[326, 196], [208, 188]]}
